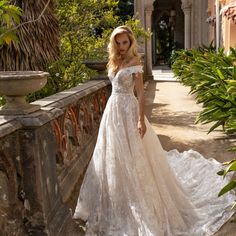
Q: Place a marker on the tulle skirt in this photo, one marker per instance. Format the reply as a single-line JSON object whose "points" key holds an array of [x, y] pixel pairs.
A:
{"points": [[133, 187]]}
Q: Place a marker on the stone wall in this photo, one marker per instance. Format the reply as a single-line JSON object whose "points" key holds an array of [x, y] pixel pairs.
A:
{"points": [[43, 156]]}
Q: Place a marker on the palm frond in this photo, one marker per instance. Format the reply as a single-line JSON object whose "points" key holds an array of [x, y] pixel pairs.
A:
{"points": [[38, 42]]}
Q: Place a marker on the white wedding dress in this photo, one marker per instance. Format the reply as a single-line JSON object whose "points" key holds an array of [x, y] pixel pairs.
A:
{"points": [[132, 187]]}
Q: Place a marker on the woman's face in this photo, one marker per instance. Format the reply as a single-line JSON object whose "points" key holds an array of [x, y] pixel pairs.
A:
{"points": [[123, 43]]}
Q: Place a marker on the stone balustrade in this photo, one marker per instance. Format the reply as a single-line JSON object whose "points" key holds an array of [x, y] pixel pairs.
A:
{"points": [[43, 156]]}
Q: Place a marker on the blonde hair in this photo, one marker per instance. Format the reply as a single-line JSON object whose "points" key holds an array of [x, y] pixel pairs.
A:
{"points": [[114, 56]]}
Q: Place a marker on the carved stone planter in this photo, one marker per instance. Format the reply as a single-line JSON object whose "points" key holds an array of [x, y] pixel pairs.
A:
{"points": [[15, 85], [99, 66]]}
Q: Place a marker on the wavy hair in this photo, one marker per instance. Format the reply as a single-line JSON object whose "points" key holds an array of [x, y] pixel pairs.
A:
{"points": [[114, 55]]}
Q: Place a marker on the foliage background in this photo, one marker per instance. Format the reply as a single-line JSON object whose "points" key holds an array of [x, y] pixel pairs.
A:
{"points": [[85, 27]]}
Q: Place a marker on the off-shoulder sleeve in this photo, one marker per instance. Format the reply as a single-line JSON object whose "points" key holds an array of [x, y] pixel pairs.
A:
{"points": [[136, 69]]}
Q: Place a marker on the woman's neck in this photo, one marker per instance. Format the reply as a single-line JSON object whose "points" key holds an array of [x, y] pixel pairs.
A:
{"points": [[123, 61]]}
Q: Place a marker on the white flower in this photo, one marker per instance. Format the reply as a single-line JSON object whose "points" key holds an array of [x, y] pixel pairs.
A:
{"points": [[57, 74]]}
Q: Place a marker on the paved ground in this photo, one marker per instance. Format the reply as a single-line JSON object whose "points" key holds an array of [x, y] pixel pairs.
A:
{"points": [[172, 113]]}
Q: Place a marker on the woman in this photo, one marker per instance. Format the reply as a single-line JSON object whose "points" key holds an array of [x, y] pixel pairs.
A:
{"points": [[132, 186]]}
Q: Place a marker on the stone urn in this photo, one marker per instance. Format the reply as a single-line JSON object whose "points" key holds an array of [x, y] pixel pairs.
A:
{"points": [[99, 66], [15, 85]]}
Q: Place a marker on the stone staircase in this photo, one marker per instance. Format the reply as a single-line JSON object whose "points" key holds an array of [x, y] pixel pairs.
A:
{"points": [[163, 73]]}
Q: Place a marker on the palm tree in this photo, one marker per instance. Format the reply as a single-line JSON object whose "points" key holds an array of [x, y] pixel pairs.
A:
{"points": [[38, 40]]}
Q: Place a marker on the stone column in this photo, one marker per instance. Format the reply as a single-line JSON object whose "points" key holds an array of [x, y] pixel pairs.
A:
{"points": [[139, 12], [148, 25], [187, 8], [139, 9]]}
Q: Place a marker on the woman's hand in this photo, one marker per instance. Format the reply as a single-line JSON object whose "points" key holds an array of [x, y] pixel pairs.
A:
{"points": [[141, 128]]}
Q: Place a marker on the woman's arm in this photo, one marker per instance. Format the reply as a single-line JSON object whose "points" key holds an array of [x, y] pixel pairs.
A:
{"points": [[140, 93]]}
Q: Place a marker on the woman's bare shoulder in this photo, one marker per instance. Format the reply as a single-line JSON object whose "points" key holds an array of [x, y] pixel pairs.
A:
{"points": [[135, 61]]}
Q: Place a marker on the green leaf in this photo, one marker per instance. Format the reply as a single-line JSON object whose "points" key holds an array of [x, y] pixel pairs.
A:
{"points": [[231, 89], [234, 72], [229, 162], [6, 18], [220, 74], [217, 124], [233, 148], [231, 82], [231, 167], [221, 172], [227, 188]]}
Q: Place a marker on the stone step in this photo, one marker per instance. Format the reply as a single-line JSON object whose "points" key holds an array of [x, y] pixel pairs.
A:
{"points": [[163, 75]]}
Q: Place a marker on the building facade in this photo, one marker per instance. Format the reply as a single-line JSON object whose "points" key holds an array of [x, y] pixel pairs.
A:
{"points": [[228, 23], [183, 24]]}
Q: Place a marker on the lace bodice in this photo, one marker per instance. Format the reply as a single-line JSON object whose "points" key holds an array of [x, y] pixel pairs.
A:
{"points": [[122, 81]]}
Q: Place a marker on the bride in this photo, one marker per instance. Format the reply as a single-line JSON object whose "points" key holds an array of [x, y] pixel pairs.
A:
{"points": [[132, 187]]}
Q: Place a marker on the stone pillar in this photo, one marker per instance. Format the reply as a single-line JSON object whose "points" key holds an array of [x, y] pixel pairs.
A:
{"points": [[46, 214], [148, 46], [139, 11], [187, 8], [204, 24]]}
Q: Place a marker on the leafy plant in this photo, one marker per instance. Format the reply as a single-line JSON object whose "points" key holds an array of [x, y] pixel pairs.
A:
{"points": [[231, 167], [212, 77], [125, 8], [9, 17]]}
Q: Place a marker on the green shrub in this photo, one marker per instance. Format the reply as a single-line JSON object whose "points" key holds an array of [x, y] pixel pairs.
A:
{"points": [[212, 77]]}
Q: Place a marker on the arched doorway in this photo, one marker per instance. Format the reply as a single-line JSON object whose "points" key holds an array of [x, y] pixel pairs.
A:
{"points": [[167, 28]]}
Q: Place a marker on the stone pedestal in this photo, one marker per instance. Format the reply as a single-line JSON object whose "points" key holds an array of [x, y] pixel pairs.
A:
{"points": [[45, 212]]}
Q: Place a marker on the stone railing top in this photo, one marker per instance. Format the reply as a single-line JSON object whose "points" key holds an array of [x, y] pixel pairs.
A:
{"points": [[62, 99], [8, 125], [51, 107]]}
